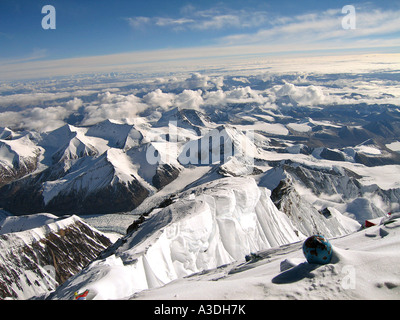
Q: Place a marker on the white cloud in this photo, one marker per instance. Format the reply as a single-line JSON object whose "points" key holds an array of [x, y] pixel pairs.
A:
{"points": [[39, 98], [34, 55], [26, 99], [11, 119], [197, 80], [107, 106], [212, 19], [157, 98], [325, 30], [235, 96], [220, 57], [189, 99], [218, 22], [378, 22], [45, 119], [249, 31], [342, 91], [138, 22], [194, 81], [74, 104], [38, 119], [215, 98], [44, 110], [113, 106], [163, 22], [303, 95]]}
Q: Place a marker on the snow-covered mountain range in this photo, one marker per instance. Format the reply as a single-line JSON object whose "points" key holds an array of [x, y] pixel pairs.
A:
{"points": [[113, 166], [195, 190]]}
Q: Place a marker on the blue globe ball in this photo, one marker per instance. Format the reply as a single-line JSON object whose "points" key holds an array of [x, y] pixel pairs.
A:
{"points": [[317, 250]]}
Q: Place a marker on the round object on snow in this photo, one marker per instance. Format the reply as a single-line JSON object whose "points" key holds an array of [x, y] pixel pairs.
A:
{"points": [[317, 249]]}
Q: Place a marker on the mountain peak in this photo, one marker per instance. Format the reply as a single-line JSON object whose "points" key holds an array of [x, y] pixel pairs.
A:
{"points": [[115, 133]]}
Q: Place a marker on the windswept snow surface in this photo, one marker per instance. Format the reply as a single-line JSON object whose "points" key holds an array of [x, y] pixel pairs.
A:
{"points": [[395, 146], [226, 240], [22, 223], [17, 151], [209, 226], [364, 266], [214, 224]]}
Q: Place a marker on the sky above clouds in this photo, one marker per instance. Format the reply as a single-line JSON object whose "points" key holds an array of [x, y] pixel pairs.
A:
{"points": [[104, 35]]}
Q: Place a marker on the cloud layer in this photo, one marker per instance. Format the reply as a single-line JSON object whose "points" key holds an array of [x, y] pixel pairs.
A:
{"points": [[40, 109]]}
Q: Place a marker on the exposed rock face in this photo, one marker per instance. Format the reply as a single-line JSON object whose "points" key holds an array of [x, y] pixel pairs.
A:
{"points": [[298, 188], [110, 199], [165, 174], [90, 185], [304, 216], [8, 174], [25, 199], [34, 262], [100, 169]]}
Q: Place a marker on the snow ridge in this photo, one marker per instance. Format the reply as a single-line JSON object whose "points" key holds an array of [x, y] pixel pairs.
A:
{"points": [[211, 225]]}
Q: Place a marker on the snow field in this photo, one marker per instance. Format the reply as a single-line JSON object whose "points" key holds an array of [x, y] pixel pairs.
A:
{"points": [[394, 146], [364, 266], [14, 152], [206, 234], [22, 223], [229, 219]]}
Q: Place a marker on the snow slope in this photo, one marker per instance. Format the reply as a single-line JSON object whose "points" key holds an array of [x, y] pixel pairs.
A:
{"points": [[226, 240], [364, 266], [12, 151], [219, 145], [117, 134], [22, 223], [68, 143], [18, 157], [211, 225], [208, 226]]}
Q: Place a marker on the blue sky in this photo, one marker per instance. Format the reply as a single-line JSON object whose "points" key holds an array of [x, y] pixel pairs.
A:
{"points": [[105, 28]]}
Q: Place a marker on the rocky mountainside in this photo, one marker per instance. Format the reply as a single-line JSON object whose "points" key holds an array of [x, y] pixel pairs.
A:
{"points": [[40, 252], [317, 188], [18, 157]]}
